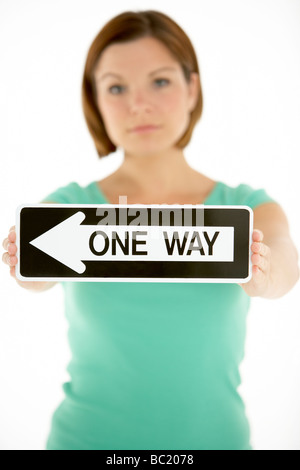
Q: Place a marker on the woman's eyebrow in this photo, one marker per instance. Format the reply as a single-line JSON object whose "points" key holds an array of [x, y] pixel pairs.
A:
{"points": [[112, 74]]}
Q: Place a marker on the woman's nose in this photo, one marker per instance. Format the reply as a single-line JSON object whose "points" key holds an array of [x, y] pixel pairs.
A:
{"points": [[140, 101]]}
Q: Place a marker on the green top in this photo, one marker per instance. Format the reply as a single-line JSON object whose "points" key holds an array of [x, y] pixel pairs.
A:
{"points": [[154, 365]]}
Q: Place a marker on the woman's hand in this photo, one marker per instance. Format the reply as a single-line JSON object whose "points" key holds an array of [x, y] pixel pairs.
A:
{"points": [[10, 258], [261, 266], [274, 256]]}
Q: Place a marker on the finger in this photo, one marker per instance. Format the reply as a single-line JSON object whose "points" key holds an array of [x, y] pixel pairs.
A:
{"points": [[264, 250], [256, 247], [9, 246], [12, 237], [257, 274], [12, 249], [261, 248], [13, 260], [13, 228], [5, 258], [257, 235], [9, 260], [5, 243], [259, 261]]}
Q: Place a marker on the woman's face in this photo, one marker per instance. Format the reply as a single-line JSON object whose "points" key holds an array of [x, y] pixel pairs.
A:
{"points": [[143, 96]]}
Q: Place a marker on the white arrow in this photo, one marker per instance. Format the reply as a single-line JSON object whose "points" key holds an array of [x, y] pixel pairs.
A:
{"points": [[70, 243], [63, 240]]}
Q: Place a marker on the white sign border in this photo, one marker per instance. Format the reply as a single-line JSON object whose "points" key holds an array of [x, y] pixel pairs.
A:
{"points": [[132, 279]]}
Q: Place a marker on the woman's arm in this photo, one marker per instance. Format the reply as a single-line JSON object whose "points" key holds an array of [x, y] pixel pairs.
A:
{"points": [[274, 256]]}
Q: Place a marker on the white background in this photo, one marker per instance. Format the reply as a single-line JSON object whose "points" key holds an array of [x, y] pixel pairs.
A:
{"points": [[249, 59]]}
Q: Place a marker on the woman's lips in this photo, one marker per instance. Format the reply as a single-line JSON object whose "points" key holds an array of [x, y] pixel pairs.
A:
{"points": [[147, 128]]}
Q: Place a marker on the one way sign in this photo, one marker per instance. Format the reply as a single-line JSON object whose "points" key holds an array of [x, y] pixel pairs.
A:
{"points": [[134, 243]]}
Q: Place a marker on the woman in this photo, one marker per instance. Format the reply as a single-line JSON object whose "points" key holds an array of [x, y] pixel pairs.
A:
{"points": [[156, 365]]}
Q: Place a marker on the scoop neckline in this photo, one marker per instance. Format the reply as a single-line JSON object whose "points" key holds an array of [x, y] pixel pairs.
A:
{"points": [[208, 197]]}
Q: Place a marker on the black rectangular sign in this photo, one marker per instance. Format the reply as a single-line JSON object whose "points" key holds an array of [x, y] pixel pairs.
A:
{"points": [[134, 243]]}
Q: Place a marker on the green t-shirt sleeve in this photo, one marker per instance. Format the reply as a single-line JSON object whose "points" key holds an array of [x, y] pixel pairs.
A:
{"points": [[64, 195], [245, 195]]}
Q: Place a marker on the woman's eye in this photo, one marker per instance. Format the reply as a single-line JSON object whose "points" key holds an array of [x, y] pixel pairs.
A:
{"points": [[115, 89], [118, 89], [162, 81]]}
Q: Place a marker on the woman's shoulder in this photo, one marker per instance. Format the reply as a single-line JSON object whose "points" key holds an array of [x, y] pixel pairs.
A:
{"points": [[243, 194]]}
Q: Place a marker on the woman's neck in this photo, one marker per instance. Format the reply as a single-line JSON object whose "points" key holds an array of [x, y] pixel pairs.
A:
{"points": [[167, 173]]}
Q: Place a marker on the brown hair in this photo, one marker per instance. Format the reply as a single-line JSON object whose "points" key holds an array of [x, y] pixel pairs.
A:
{"points": [[126, 27]]}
